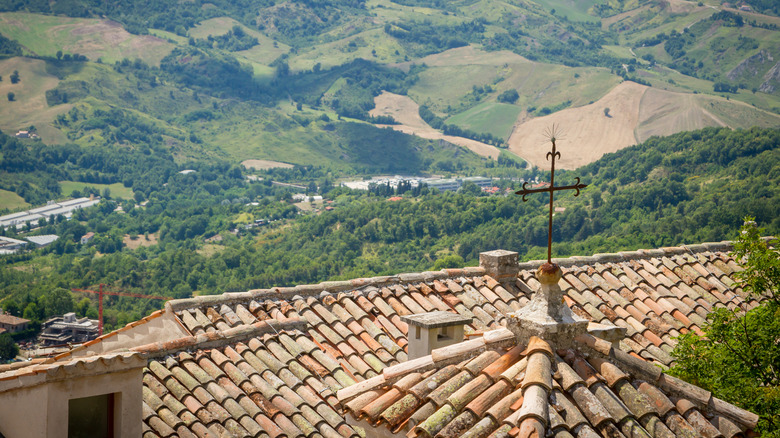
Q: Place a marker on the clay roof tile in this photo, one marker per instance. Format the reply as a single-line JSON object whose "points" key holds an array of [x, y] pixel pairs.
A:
{"points": [[538, 372]]}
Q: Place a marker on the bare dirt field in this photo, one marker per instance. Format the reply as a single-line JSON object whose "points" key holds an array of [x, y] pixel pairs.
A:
{"points": [[665, 113], [264, 164], [140, 241], [585, 133], [406, 112]]}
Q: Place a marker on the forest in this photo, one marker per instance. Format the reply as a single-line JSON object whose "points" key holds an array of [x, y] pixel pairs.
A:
{"points": [[687, 188]]}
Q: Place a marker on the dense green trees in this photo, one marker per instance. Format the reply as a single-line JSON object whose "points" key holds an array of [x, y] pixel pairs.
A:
{"points": [[33, 170], [9, 47], [509, 96], [8, 349], [690, 187]]}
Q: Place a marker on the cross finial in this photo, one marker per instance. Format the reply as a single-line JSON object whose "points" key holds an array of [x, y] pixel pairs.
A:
{"points": [[552, 189]]}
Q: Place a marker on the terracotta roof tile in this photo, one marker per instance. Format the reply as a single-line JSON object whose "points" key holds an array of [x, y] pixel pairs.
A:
{"points": [[538, 371], [386, 400], [439, 395], [286, 382], [463, 395], [726, 427]]}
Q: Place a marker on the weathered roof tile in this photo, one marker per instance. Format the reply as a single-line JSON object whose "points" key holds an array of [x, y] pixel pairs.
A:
{"points": [[285, 381]]}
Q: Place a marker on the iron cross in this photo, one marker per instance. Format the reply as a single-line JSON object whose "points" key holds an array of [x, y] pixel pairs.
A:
{"points": [[552, 189]]}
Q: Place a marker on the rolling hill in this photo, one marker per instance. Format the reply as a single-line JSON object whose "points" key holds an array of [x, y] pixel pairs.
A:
{"points": [[274, 80]]}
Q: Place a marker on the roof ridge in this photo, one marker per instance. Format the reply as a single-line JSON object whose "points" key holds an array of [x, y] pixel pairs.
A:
{"points": [[639, 254], [128, 326], [313, 290], [646, 371], [220, 338], [439, 357], [329, 287], [42, 372]]}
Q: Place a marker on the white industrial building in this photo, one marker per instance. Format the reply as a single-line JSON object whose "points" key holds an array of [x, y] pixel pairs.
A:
{"points": [[64, 208]]}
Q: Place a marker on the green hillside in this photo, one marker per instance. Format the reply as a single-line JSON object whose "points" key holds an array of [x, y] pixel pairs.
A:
{"points": [[690, 187], [295, 81], [491, 117]]}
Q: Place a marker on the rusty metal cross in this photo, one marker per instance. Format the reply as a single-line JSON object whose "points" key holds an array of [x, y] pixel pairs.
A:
{"points": [[551, 189]]}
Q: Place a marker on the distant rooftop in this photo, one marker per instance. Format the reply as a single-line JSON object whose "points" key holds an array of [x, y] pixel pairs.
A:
{"points": [[44, 239]]}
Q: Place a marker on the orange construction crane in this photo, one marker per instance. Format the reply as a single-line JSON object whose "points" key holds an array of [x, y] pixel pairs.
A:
{"points": [[101, 292]]}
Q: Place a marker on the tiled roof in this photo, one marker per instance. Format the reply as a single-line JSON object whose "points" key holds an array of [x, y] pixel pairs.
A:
{"points": [[655, 295], [273, 385], [12, 320], [271, 361], [587, 391], [47, 370]]}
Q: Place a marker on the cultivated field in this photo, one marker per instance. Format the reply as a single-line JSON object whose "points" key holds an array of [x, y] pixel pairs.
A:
{"points": [[265, 164], [467, 55], [636, 113], [663, 113], [452, 75], [44, 35], [491, 117], [585, 132], [406, 112]]}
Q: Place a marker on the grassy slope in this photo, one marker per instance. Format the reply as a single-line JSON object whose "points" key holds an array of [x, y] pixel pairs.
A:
{"points": [[491, 117], [340, 52], [259, 56], [44, 35], [11, 201], [29, 105], [117, 189]]}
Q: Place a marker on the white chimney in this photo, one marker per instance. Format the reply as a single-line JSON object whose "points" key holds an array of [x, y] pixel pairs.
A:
{"points": [[432, 330]]}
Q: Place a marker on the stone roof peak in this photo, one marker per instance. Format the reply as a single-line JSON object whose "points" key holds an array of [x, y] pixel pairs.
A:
{"points": [[547, 316]]}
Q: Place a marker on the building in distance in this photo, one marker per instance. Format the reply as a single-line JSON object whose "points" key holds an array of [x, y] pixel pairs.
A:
{"points": [[43, 240], [68, 329], [10, 246], [12, 324], [51, 209]]}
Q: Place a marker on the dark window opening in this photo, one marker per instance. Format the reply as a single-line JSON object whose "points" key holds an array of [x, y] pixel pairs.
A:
{"points": [[446, 334], [91, 417]]}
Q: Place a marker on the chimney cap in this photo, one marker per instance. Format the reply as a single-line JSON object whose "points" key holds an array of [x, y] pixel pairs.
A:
{"points": [[438, 319], [500, 264]]}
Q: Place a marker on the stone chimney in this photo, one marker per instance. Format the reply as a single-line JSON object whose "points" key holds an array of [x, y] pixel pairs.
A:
{"points": [[432, 330], [500, 264], [547, 315]]}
